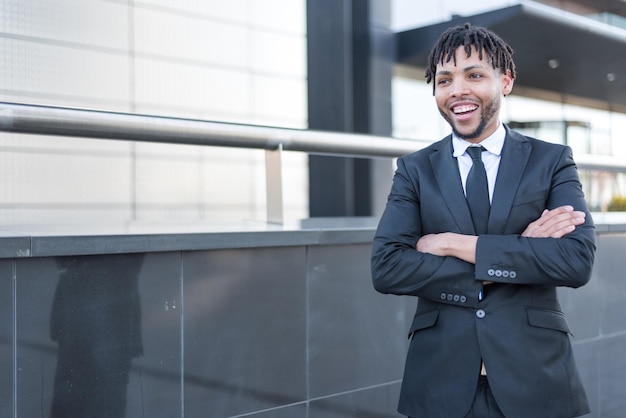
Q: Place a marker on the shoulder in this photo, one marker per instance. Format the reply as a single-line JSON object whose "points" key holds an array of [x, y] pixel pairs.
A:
{"points": [[535, 144], [444, 144]]}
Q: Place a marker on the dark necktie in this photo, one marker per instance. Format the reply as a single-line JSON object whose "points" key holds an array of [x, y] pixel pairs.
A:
{"points": [[477, 191]]}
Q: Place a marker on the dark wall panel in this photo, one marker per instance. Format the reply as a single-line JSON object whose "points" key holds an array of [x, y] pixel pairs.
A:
{"points": [[270, 332], [95, 338], [610, 276], [6, 338], [36, 354], [596, 315], [355, 334], [376, 402], [291, 411], [612, 377], [245, 330], [154, 387]]}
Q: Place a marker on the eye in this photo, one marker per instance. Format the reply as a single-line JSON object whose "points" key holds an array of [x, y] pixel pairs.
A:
{"points": [[475, 75], [443, 81]]}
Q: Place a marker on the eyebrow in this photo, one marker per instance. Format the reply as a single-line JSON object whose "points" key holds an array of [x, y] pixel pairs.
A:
{"points": [[465, 70]]}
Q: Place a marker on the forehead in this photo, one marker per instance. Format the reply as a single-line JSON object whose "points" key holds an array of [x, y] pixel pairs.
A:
{"points": [[462, 59]]}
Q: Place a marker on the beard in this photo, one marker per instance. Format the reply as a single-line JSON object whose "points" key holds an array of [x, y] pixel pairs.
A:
{"points": [[486, 116]]}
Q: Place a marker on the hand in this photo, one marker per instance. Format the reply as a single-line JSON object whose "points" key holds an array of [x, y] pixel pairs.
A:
{"points": [[555, 223]]}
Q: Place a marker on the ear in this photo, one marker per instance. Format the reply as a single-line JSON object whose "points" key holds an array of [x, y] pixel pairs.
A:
{"points": [[507, 83]]}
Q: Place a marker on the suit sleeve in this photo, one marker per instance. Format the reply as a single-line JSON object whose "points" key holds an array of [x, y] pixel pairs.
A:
{"points": [[565, 261], [398, 268]]}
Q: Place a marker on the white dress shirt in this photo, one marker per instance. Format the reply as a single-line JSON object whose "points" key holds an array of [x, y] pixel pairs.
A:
{"points": [[491, 157]]}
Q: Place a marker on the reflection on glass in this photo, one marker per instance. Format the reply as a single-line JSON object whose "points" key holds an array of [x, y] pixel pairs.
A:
{"points": [[96, 322]]}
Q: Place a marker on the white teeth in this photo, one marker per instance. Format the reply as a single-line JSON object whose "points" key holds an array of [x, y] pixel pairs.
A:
{"points": [[463, 109]]}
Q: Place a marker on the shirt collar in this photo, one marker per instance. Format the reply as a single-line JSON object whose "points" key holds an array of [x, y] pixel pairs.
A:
{"points": [[493, 143]]}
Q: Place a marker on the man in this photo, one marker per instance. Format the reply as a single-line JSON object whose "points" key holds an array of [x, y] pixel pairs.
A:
{"points": [[488, 338]]}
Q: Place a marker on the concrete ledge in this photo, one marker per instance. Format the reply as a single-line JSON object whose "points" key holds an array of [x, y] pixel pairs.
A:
{"points": [[134, 237]]}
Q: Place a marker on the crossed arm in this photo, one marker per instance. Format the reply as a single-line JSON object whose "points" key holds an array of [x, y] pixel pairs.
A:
{"points": [[553, 223]]}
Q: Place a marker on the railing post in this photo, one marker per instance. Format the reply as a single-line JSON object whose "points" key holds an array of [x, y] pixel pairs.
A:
{"points": [[274, 185]]}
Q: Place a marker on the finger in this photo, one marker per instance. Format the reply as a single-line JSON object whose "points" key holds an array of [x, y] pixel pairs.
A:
{"points": [[560, 233], [565, 226], [557, 219], [555, 224], [548, 215]]}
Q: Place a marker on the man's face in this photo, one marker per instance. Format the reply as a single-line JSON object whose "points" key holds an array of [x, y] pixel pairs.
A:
{"points": [[469, 93]]}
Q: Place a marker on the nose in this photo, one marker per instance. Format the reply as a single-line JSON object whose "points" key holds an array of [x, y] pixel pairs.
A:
{"points": [[459, 88]]}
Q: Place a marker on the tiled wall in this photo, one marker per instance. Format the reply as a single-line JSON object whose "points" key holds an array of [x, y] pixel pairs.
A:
{"points": [[596, 314], [238, 61], [292, 331], [270, 332]]}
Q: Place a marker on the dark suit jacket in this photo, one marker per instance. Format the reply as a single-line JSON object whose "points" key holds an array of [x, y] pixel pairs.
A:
{"points": [[519, 329]]}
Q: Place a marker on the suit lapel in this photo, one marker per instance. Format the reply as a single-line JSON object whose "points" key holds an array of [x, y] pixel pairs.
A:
{"points": [[515, 154], [446, 171]]}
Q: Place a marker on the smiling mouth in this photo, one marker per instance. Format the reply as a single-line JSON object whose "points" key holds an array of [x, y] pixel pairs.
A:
{"points": [[461, 110]]}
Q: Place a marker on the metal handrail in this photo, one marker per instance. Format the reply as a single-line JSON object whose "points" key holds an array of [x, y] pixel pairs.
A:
{"points": [[62, 121], [72, 122]]}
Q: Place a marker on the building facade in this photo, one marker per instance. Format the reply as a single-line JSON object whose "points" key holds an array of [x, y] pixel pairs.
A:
{"points": [[266, 321], [251, 62], [239, 61]]}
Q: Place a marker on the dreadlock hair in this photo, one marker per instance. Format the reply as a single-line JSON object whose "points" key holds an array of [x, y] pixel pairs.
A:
{"points": [[485, 41]]}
